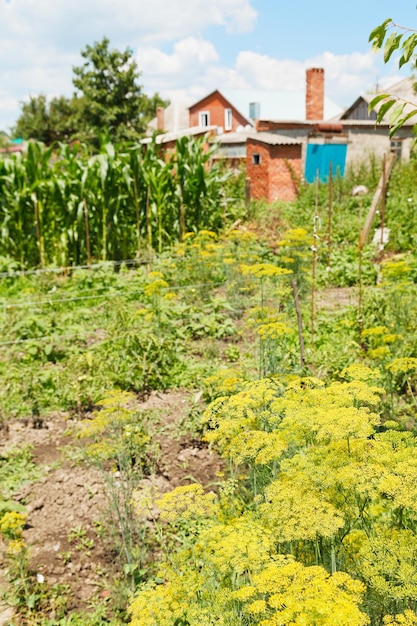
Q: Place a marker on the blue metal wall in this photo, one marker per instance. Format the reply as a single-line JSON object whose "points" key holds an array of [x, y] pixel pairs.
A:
{"points": [[319, 157]]}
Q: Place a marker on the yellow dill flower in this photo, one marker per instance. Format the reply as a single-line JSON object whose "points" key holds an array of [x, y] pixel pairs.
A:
{"points": [[261, 270], [408, 618], [296, 236], [206, 233], [402, 365], [374, 331], [379, 353], [15, 547], [170, 296], [12, 524], [273, 330], [390, 338], [299, 512], [361, 372], [241, 236], [386, 561], [395, 268], [237, 546], [244, 593], [155, 287], [259, 606], [187, 502], [309, 595]]}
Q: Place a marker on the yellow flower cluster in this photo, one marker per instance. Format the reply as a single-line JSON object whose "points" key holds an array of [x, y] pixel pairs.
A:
{"points": [[402, 365], [187, 502], [326, 487], [273, 330], [262, 270], [408, 618], [294, 594], [12, 524], [155, 287], [395, 269]]}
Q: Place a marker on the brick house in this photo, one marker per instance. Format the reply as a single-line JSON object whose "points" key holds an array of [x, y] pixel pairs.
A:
{"points": [[283, 153], [274, 166], [277, 153], [216, 110]]}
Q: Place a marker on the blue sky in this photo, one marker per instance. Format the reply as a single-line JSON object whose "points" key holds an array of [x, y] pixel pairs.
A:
{"points": [[187, 48]]}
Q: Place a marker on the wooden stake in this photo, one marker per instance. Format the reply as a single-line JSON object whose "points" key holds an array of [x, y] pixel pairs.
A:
{"points": [[135, 189], [87, 232], [377, 197], [313, 278], [299, 321], [329, 235]]}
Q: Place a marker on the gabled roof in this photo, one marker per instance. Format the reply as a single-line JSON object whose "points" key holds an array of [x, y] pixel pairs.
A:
{"points": [[228, 101], [404, 90]]}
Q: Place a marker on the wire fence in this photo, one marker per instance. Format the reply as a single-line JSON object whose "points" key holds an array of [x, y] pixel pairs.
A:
{"points": [[106, 294]]}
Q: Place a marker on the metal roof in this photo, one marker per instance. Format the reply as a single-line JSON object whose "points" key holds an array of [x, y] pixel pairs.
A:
{"points": [[184, 132], [276, 105], [275, 139], [404, 90]]}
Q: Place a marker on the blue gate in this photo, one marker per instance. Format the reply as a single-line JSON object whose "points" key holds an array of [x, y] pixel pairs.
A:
{"points": [[318, 159]]}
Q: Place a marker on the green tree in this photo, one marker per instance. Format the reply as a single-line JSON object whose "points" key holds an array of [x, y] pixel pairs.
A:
{"points": [[391, 37], [48, 122], [112, 96], [109, 97]]}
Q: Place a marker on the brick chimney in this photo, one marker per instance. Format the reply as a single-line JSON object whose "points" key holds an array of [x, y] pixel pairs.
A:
{"points": [[315, 93], [160, 118]]}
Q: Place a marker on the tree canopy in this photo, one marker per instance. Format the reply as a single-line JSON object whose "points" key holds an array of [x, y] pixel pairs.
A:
{"points": [[108, 99]]}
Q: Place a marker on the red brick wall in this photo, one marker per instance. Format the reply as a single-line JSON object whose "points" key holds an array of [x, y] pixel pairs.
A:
{"points": [[314, 93], [273, 178], [258, 174], [216, 105]]}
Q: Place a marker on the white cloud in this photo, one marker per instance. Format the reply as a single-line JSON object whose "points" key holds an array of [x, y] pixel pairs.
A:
{"points": [[70, 23], [41, 42], [189, 57], [265, 72], [41, 39]]}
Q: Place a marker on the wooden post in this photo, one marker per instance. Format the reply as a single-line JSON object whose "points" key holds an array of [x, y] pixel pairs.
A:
{"points": [[87, 232], [247, 196], [389, 164], [38, 230], [383, 199], [135, 189], [148, 219], [299, 321], [313, 278], [329, 233]]}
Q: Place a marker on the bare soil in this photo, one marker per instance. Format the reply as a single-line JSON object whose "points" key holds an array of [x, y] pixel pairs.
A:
{"points": [[66, 506]]}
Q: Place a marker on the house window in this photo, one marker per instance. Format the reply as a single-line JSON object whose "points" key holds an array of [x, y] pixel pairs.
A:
{"points": [[396, 146], [256, 158], [228, 119], [204, 118]]}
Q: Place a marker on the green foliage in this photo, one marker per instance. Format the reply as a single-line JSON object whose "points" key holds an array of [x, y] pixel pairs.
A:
{"points": [[111, 95], [16, 469], [391, 37], [48, 121], [109, 99], [70, 208]]}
